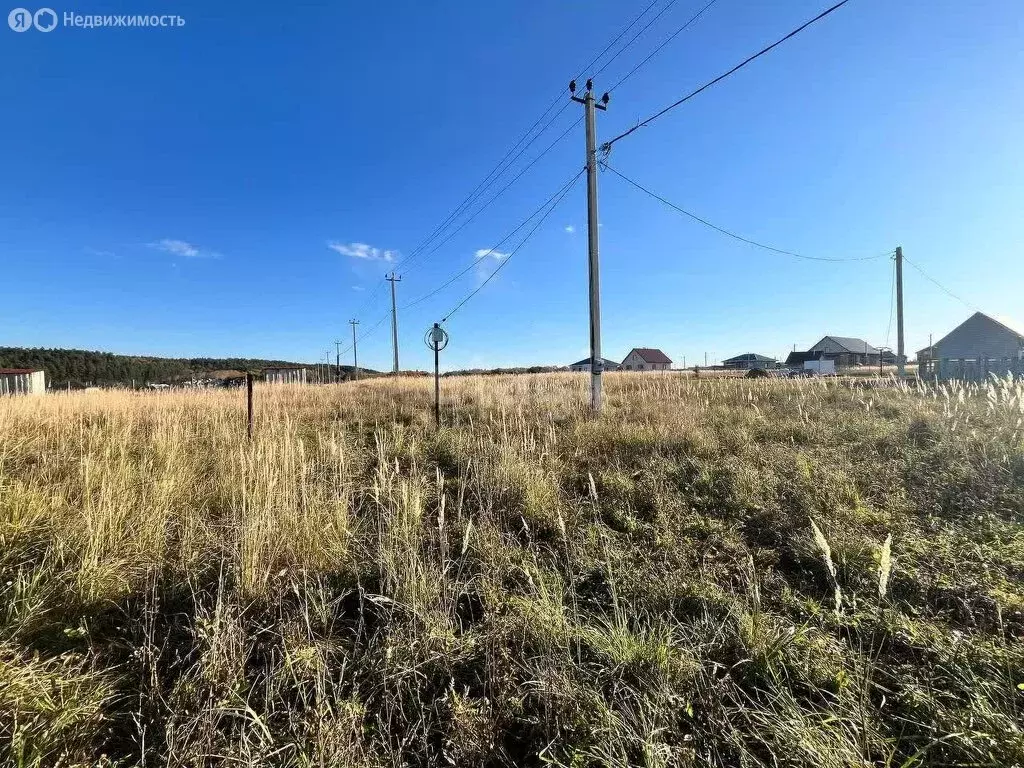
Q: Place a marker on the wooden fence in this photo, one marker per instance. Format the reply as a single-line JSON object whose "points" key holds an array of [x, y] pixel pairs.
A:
{"points": [[971, 370]]}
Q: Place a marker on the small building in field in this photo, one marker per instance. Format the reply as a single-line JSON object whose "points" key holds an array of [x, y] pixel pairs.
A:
{"points": [[22, 381], [750, 361], [796, 359], [285, 375], [820, 367], [646, 359], [584, 365], [976, 348], [845, 351]]}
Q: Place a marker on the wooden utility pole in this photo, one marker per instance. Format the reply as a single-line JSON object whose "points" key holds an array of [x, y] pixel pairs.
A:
{"points": [[355, 352], [901, 358], [337, 360], [590, 106], [394, 318]]}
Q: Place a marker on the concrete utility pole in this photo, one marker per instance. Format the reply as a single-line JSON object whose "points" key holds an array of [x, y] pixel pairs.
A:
{"points": [[355, 352], [394, 318], [590, 106], [901, 358], [337, 360]]}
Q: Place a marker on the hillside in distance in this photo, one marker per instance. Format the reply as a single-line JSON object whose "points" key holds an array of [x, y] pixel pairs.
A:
{"points": [[80, 368]]}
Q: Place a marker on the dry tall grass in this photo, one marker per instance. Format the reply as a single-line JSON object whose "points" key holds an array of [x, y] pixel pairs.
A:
{"points": [[704, 576]]}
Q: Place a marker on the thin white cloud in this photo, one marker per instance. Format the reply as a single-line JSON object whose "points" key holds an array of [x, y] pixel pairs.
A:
{"points": [[497, 255], [99, 252], [487, 261], [362, 251], [357, 288], [570, 228], [183, 249]]}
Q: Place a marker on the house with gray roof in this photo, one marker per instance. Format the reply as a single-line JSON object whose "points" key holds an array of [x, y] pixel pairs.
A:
{"points": [[750, 361], [978, 347], [845, 351], [584, 365]]}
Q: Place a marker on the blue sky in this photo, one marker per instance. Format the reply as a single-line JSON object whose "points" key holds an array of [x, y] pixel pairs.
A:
{"points": [[177, 191]]}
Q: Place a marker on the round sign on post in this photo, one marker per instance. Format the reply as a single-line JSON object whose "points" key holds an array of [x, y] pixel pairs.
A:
{"points": [[437, 339]]}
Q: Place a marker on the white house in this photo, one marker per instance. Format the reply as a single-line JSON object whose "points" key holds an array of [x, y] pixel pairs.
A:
{"points": [[645, 359], [22, 381]]}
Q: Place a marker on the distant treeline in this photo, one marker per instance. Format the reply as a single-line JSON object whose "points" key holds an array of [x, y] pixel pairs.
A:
{"points": [[500, 371], [81, 368]]}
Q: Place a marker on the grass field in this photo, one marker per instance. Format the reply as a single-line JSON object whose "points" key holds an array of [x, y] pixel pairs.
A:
{"points": [[717, 572]]}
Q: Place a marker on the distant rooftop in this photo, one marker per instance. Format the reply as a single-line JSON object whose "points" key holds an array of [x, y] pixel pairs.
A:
{"points": [[853, 344], [750, 357], [649, 355], [605, 360]]}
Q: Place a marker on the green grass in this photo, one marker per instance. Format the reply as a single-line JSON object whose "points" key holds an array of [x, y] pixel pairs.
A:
{"points": [[716, 572]]}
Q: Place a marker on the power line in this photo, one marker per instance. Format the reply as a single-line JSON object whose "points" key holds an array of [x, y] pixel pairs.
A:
{"points": [[941, 287], [635, 37], [665, 42], [369, 298], [482, 187], [555, 199], [498, 194], [608, 144], [717, 228], [619, 37], [512, 253], [509, 159], [505, 163], [366, 333], [498, 245]]}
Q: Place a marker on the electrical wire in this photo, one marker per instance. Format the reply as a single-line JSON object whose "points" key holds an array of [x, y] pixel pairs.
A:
{"points": [[608, 144], [513, 252], [619, 37], [505, 163], [941, 287], [635, 37], [555, 199], [364, 334], [495, 248], [665, 42], [747, 240], [370, 297], [486, 184], [500, 192]]}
